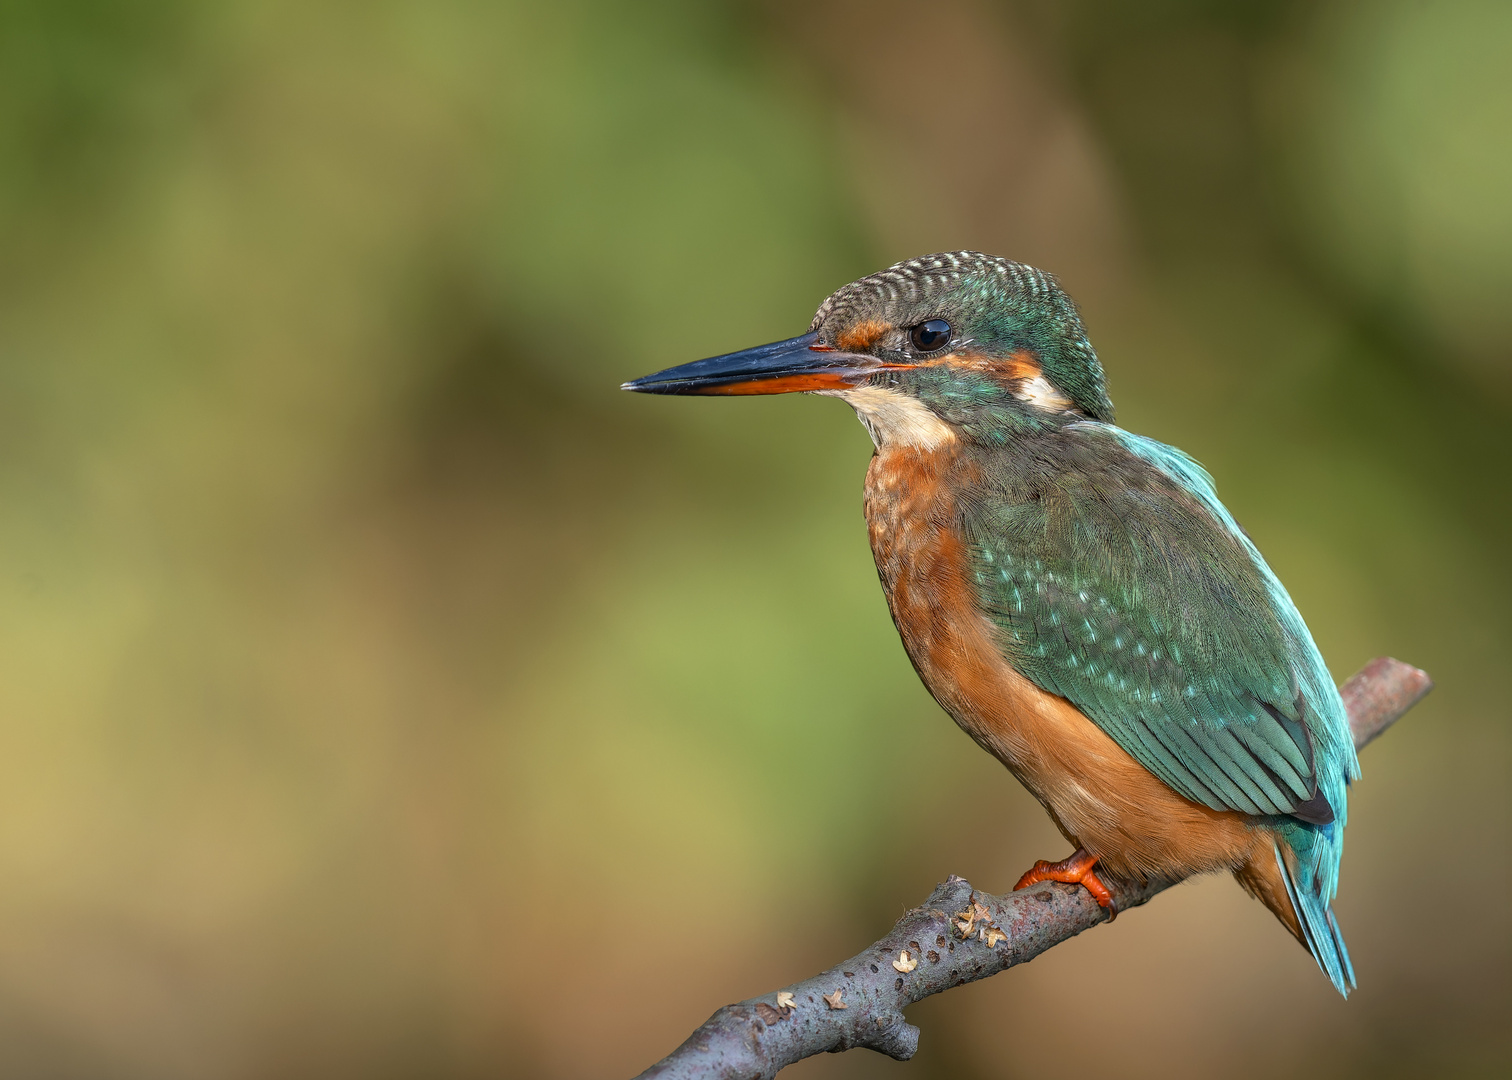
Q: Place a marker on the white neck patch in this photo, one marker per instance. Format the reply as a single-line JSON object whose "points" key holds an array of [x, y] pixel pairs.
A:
{"points": [[895, 420], [1044, 395]]}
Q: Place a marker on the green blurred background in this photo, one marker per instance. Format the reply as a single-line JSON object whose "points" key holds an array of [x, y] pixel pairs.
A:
{"points": [[385, 694]]}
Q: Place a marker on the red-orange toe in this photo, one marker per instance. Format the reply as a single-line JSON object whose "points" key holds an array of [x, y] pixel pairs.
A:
{"points": [[1077, 870]]}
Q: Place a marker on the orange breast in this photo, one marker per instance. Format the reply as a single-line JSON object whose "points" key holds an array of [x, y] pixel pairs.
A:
{"points": [[1100, 797]]}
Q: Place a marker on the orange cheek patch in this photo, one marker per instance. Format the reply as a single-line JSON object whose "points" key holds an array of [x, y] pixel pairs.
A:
{"points": [[861, 336], [1023, 365], [967, 361]]}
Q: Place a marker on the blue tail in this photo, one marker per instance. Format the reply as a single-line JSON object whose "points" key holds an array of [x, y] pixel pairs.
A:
{"points": [[1309, 859]]}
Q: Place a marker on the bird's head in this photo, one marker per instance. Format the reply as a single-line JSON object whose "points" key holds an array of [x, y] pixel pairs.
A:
{"points": [[945, 346]]}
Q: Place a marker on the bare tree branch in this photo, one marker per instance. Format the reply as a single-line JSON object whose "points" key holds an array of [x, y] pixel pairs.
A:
{"points": [[958, 936]]}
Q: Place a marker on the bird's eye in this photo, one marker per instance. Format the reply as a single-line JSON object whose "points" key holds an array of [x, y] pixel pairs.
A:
{"points": [[931, 335]]}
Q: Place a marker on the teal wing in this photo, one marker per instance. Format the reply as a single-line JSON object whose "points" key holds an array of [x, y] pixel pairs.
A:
{"points": [[1122, 584]]}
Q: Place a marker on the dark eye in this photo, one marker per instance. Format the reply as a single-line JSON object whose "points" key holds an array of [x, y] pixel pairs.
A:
{"points": [[931, 335]]}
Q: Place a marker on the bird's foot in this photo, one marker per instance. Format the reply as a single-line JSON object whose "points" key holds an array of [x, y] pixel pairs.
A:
{"points": [[1077, 870]]}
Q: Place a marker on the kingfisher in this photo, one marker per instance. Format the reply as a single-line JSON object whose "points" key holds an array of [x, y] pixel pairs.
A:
{"points": [[1074, 595]]}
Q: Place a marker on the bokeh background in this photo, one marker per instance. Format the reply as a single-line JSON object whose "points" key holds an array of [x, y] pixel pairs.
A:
{"points": [[385, 694]]}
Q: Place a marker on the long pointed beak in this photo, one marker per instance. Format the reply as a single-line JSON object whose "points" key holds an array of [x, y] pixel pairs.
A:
{"points": [[779, 368]]}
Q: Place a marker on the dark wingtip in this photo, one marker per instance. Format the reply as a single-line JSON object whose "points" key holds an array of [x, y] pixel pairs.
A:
{"points": [[1315, 811]]}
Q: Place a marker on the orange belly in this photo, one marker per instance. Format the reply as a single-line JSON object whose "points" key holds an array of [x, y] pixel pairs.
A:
{"points": [[1101, 799]]}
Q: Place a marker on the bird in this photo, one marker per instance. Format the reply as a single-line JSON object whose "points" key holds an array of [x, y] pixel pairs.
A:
{"points": [[1074, 595]]}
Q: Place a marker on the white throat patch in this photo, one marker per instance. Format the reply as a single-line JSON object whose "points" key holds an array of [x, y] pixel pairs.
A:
{"points": [[895, 420]]}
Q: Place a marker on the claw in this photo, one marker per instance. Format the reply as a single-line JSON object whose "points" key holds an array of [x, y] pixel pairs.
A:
{"points": [[1077, 870]]}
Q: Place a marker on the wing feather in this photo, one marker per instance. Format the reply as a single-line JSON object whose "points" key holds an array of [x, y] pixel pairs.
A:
{"points": [[1121, 583]]}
